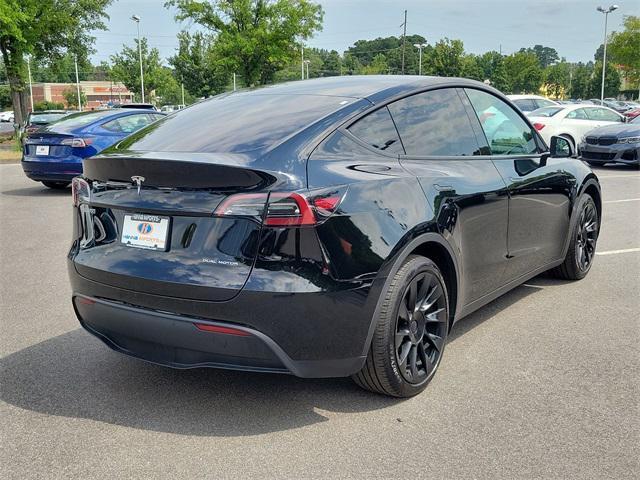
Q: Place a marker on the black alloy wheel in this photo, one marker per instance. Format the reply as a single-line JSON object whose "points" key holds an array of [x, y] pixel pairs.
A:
{"points": [[587, 234], [420, 328], [582, 245], [411, 331]]}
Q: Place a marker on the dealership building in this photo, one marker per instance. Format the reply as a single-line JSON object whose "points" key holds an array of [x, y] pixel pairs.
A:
{"points": [[97, 92]]}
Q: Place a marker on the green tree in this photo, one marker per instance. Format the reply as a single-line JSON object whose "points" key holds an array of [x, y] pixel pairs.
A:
{"points": [[446, 58], [470, 68], [492, 66], [546, 55], [580, 81], [255, 38], [125, 68], [611, 81], [557, 78], [61, 69], [524, 72], [624, 49], [71, 97], [5, 97], [195, 65], [44, 28]]}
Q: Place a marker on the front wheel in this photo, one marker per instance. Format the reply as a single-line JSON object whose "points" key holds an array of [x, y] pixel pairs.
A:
{"points": [[583, 240], [56, 185], [411, 332]]}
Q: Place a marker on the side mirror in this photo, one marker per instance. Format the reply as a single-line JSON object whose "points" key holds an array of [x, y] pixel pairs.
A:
{"points": [[560, 147]]}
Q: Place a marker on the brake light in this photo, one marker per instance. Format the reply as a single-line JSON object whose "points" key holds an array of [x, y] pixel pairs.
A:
{"points": [[538, 126], [77, 142], [80, 191], [284, 209]]}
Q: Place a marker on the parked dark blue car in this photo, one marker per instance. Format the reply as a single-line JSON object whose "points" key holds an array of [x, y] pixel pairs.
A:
{"points": [[53, 154]]}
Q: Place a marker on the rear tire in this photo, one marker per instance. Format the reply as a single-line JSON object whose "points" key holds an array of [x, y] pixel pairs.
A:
{"points": [[56, 185], [582, 246], [411, 332]]}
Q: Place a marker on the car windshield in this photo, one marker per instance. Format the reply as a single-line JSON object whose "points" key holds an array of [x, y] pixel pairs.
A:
{"points": [[81, 119], [545, 112], [45, 117]]}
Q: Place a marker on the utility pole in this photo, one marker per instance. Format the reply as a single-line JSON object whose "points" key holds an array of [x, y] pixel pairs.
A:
{"points": [[182, 87], [404, 37], [30, 85], [75, 61], [604, 54], [302, 63], [306, 63], [234, 83]]}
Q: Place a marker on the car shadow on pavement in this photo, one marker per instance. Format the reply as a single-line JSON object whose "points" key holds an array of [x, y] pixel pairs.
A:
{"points": [[38, 191], [75, 375]]}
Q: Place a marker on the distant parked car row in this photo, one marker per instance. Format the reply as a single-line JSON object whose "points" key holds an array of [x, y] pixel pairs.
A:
{"points": [[7, 116]]}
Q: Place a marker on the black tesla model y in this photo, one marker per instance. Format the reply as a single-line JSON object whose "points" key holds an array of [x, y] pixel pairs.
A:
{"points": [[328, 227]]}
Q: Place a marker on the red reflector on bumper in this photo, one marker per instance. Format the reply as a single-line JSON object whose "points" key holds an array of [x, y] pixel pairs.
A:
{"points": [[226, 330]]}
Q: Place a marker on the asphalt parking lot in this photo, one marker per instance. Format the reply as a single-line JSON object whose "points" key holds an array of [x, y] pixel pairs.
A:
{"points": [[542, 383]]}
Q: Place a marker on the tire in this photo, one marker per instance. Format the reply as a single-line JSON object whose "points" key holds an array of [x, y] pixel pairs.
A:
{"points": [[56, 185], [411, 332], [582, 246]]}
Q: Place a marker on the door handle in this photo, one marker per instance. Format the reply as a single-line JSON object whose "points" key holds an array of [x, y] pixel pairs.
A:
{"points": [[443, 188]]}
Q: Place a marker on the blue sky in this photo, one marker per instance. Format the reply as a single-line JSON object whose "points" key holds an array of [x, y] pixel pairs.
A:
{"points": [[573, 27]]}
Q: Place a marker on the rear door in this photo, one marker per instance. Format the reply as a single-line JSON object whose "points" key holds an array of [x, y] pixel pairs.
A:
{"points": [[539, 193], [460, 181]]}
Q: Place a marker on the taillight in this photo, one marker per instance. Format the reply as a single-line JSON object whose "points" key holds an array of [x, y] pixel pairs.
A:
{"points": [[205, 327], [77, 142], [80, 191], [284, 209], [538, 126]]}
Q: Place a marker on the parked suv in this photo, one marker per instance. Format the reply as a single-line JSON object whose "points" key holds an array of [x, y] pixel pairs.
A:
{"points": [[330, 227]]}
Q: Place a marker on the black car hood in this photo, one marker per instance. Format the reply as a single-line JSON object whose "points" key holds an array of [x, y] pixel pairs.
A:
{"points": [[618, 130]]}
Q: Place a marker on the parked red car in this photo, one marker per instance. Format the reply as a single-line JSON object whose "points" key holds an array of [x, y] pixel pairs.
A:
{"points": [[631, 114]]}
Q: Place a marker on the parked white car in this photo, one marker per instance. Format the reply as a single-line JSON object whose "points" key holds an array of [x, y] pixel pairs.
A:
{"points": [[529, 103], [7, 116], [572, 121]]}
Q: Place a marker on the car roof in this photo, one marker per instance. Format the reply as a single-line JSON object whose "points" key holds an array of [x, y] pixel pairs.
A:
{"points": [[524, 97], [355, 86]]}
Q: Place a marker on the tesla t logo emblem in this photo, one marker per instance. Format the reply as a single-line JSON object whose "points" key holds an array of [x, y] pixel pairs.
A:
{"points": [[137, 181]]}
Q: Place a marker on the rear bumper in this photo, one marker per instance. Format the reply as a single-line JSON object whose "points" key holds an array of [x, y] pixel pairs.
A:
{"points": [[51, 170], [320, 335], [175, 341]]}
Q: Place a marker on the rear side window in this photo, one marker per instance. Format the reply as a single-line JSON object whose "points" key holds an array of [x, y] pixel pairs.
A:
{"points": [[434, 123], [506, 131], [525, 104], [603, 114], [377, 129]]}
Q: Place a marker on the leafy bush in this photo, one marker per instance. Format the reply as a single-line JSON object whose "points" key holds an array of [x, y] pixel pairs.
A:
{"points": [[46, 105]]}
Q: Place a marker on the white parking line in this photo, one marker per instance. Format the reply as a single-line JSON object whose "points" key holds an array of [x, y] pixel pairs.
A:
{"points": [[615, 252], [622, 201], [618, 176]]}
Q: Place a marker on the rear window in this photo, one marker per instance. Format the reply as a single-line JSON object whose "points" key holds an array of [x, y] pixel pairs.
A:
{"points": [[45, 117], [545, 112], [377, 129], [239, 122], [525, 104], [81, 119]]}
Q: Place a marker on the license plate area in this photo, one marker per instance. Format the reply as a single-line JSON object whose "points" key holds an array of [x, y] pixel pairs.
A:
{"points": [[145, 231], [42, 149]]}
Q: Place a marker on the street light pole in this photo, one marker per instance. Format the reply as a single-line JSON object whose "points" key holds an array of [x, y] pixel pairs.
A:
{"points": [[604, 53], [420, 46], [306, 63], [30, 84], [75, 61], [136, 18], [302, 63]]}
